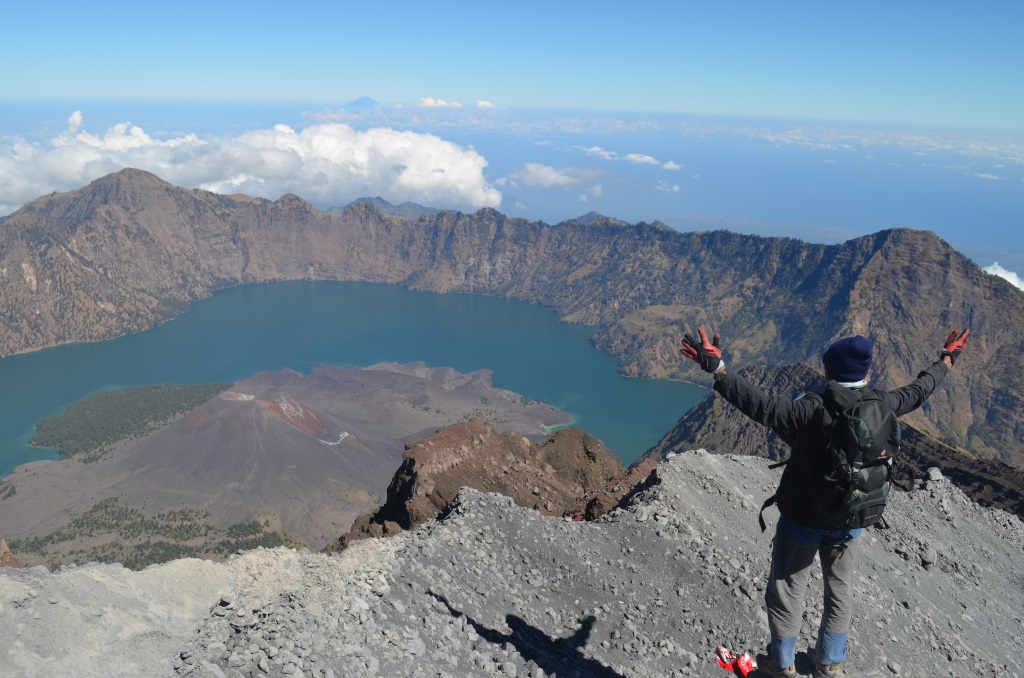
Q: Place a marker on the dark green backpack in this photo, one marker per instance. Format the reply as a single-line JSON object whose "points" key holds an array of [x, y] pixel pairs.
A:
{"points": [[849, 484]]}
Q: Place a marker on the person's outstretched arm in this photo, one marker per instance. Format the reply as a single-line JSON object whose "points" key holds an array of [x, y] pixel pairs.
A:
{"points": [[783, 415], [912, 396]]}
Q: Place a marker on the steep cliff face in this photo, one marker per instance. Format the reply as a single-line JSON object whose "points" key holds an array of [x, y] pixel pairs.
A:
{"points": [[715, 425], [129, 251]]}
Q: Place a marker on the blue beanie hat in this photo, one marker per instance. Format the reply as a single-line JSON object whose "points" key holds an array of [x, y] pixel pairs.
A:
{"points": [[849, 359]]}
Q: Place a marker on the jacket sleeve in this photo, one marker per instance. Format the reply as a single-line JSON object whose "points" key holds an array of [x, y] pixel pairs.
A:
{"points": [[785, 416], [913, 395]]}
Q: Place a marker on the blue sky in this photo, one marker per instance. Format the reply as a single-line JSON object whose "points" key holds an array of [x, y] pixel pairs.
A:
{"points": [[818, 120], [947, 63]]}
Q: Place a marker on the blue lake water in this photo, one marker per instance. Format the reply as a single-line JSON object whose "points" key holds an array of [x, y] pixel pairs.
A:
{"points": [[297, 325]]}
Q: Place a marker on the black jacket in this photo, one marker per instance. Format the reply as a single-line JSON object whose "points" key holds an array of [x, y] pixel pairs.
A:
{"points": [[801, 424]]}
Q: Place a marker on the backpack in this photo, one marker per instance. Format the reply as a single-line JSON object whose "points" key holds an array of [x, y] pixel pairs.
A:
{"points": [[849, 484]]}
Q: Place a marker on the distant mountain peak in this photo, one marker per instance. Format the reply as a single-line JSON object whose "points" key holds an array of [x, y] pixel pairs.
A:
{"points": [[590, 216], [593, 217], [130, 175], [376, 201], [133, 173], [292, 200], [361, 105], [407, 210]]}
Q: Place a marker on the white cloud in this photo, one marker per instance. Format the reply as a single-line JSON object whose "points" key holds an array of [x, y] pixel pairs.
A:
{"points": [[537, 174], [1013, 278], [1004, 150], [666, 187], [600, 152], [431, 102], [595, 191], [637, 158], [546, 176], [329, 164], [641, 159], [480, 103], [991, 177]]}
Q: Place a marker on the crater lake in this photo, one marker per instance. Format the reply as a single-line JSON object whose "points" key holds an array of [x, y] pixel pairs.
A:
{"points": [[253, 328]]}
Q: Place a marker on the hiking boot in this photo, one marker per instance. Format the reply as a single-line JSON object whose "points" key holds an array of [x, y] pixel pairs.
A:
{"points": [[849, 669], [769, 668], [766, 666]]}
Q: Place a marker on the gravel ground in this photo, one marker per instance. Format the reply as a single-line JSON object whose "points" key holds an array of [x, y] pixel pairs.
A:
{"points": [[494, 589]]}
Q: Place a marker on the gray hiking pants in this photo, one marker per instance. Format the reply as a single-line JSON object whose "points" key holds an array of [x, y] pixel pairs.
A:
{"points": [[792, 558]]}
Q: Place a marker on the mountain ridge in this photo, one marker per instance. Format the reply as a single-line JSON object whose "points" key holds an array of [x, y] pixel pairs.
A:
{"points": [[130, 251]]}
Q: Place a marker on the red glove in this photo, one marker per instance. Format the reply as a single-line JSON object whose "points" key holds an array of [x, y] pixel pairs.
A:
{"points": [[707, 354], [955, 345]]}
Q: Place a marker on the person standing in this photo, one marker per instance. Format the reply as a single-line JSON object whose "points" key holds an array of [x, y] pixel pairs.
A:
{"points": [[804, 529]]}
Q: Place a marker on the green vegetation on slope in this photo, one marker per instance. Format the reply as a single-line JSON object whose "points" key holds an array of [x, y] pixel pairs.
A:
{"points": [[87, 429], [111, 532]]}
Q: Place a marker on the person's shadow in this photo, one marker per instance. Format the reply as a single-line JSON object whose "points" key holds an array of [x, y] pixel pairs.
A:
{"points": [[557, 656]]}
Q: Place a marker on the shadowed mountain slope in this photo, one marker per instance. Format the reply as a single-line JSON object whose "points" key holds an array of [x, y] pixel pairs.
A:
{"points": [[129, 251]]}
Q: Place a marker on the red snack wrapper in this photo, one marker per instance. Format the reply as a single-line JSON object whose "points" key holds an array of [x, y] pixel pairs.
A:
{"points": [[725, 658], [744, 664]]}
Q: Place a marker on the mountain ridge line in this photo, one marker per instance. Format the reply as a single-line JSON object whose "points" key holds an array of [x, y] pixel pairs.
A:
{"points": [[130, 251]]}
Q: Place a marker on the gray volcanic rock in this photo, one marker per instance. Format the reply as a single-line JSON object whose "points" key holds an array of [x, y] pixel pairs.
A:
{"points": [[307, 452], [491, 588]]}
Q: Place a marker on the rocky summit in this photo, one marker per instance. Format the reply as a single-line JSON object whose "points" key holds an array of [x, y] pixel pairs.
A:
{"points": [[492, 588], [568, 473]]}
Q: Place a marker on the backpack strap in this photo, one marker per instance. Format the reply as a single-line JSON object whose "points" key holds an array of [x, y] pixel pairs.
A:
{"points": [[774, 498], [768, 502]]}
